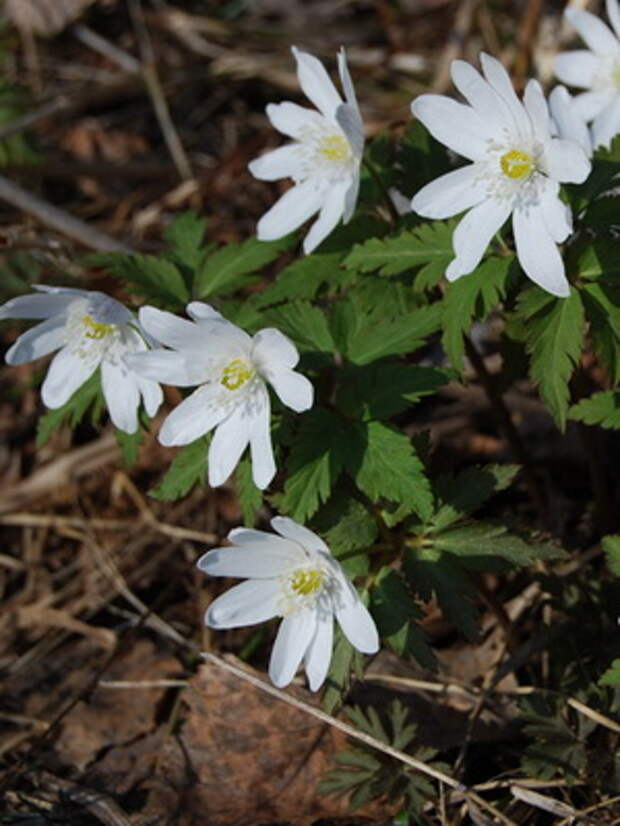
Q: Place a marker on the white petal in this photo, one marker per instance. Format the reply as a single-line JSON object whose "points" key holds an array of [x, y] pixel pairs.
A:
{"points": [[556, 214], [228, 443], [294, 636], [348, 119], [567, 162], [457, 126], [319, 653], [569, 124], [292, 530], [199, 311], [350, 198], [345, 79], [284, 162], [293, 120], [451, 193], [481, 95], [36, 306], [606, 124], [171, 330], [577, 68], [293, 389], [260, 540], [290, 211], [245, 563], [271, 348], [473, 234], [248, 603], [316, 83], [538, 253], [195, 416], [589, 105], [261, 449], [39, 341], [165, 366], [355, 620], [500, 80], [331, 212], [595, 34], [613, 13], [66, 373], [122, 396], [152, 395], [536, 107]]}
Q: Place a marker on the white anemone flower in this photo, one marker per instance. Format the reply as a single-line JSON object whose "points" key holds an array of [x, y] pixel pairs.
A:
{"points": [[596, 69], [90, 330], [323, 159], [293, 576], [567, 120], [516, 170], [231, 370]]}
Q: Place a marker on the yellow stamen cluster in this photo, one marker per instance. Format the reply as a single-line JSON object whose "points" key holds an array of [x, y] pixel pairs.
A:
{"points": [[96, 329], [307, 582], [335, 148], [516, 164], [236, 373]]}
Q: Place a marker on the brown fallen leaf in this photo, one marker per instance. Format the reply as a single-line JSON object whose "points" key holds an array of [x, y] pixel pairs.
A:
{"points": [[245, 758], [44, 17]]}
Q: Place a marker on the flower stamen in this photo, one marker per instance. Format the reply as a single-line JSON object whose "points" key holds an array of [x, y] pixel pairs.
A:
{"points": [[236, 373], [516, 164], [335, 148], [96, 329], [307, 582]]}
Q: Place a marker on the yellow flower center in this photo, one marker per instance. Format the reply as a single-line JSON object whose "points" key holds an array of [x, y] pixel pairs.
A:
{"points": [[236, 373], [96, 329], [335, 148], [307, 582], [615, 77], [517, 164]]}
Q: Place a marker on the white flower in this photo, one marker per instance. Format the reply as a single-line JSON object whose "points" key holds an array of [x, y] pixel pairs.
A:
{"points": [[231, 369], [567, 120], [90, 330], [597, 70], [516, 170], [323, 160], [293, 576]]}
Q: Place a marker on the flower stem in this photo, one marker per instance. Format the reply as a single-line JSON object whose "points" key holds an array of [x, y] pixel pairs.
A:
{"points": [[394, 216]]}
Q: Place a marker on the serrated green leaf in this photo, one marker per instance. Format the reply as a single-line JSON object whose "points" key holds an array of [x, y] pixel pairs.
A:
{"points": [[472, 297], [156, 279], [249, 496], [411, 249], [381, 390], [88, 397], [594, 259], [188, 469], [129, 444], [463, 494], [347, 527], [601, 409], [601, 303], [185, 235], [305, 324], [396, 614], [611, 546], [481, 539], [315, 463], [343, 661], [554, 336], [227, 269], [612, 675], [421, 158], [389, 468], [376, 337]]}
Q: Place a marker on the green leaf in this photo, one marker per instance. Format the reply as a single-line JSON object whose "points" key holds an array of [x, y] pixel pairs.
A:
{"points": [[228, 268], [470, 298], [554, 335], [305, 324], [612, 675], [315, 463], [155, 279], [601, 409], [611, 546], [187, 470], [395, 612], [87, 397], [422, 159], [594, 259], [376, 337], [429, 244], [601, 303], [249, 496], [604, 212], [482, 539], [344, 660], [389, 468], [463, 494], [185, 235], [129, 444], [348, 529], [381, 390]]}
